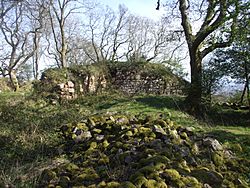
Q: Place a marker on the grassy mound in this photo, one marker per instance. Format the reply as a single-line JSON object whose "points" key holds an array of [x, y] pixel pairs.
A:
{"points": [[142, 151]]}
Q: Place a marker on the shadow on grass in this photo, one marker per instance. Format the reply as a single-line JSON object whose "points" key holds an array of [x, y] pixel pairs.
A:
{"points": [[161, 102], [13, 152], [110, 104], [20, 165], [229, 117]]}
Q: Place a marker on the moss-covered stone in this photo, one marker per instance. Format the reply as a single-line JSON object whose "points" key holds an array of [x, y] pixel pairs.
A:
{"points": [[64, 181], [172, 174], [217, 159], [205, 175], [191, 182], [113, 184], [139, 154], [95, 130], [129, 133], [71, 167], [105, 144], [139, 181], [127, 184], [48, 175], [102, 184], [93, 145], [151, 183]]}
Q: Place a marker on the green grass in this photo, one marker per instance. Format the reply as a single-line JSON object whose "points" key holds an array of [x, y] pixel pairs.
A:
{"points": [[28, 137]]}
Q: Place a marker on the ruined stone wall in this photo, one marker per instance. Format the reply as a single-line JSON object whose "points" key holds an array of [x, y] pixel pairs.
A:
{"points": [[147, 84], [129, 78], [149, 79], [89, 84], [72, 82]]}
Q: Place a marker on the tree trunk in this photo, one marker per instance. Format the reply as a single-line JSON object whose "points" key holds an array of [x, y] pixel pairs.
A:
{"points": [[35, 65], [63, 50], [243, 93], [248, 95], [195, 91], [13, 80], [247, 83]]}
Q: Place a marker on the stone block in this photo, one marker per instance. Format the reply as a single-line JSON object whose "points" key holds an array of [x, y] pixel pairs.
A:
{"points": [[70, 84], [71, 90]]}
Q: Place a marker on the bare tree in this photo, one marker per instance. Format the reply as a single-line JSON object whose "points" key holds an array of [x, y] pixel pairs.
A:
{"points": [[119, 36], [59, 15], [18, 40], [38, 17], [6, 6], [106, 30], [148, 39]]}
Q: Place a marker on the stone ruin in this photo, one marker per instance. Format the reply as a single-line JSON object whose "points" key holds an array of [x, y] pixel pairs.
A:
{"points": [[67, 90], [129, 78], [70, 90], [149, 84]]}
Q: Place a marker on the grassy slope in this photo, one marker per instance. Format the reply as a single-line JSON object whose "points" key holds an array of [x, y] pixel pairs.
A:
{"points": [[28, 138]]}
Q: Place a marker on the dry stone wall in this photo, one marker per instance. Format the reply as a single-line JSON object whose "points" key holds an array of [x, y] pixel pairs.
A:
{"points": [[150, 85], [133, 78], [150, 79]]}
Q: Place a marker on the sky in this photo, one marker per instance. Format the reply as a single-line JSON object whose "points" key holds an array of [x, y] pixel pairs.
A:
{"points": [[145, 8]]}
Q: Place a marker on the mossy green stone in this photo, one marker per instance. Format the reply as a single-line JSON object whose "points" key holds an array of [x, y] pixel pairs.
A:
{"points": [[92, 186], [151, 183], [148, 170], [159, 160], [113, 184], [140, 180], [118, 144], [172, 174], [71, 167], [162, 184], [127, 184], [229, 184], [205, 175], [144, 130], [129, 133], [194, 149], [149, 151], [91, 122], [105, 143], [82, 126], [160, 122], [217, 159], [135, 131], [155, 175], [160, 166], [102, 184], [93, 145], [49, 186], [98, 131], [184, 135], [104, 159], [79, 179], [48, 175], [135, 175], [191, 182], [64, 181], [152, 135]]}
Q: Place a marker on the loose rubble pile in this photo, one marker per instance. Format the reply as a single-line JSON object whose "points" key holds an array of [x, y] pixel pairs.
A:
{"points": [[139, 151]]}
